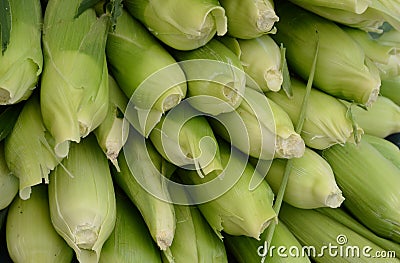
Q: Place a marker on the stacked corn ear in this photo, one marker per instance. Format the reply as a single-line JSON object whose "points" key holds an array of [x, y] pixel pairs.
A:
{"points": [[370, 183], [8, 182], [82, 199], [388, 149], [147, 74], [74, 83], [21, 58], [327, 121], [30, 234], [182, 25]]}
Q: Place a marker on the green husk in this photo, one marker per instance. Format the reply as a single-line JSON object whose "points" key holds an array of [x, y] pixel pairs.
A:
{"points": [[311, 182], [249, 250], [249, 19], [130, 240], [30, 235], [29, 149], [187, 140], [8, 182], [8, 118], [147, 74], [391, 89], [326, 123], [74, 84], [370, 183], [82, 200], [327, 240], [182, 25], [342, 69], [21, 63], [216, 80], [381, 119], [113, 132], [142, 171], [388, 149], [236, 210]]}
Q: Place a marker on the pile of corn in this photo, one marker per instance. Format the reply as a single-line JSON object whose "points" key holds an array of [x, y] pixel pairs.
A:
{"points": [[199, 131]]}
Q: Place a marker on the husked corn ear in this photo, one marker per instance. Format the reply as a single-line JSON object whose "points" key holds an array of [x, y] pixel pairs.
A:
{"points": [[250, 19], [130, 240], [113, 132], [21, 61], [238, 211], [29, 149], [149, 194], [311, 182], [370, 183], [388, 149], [182, 25], [316, 231], [249, 250], [8, 182], [381, 119], [74, 83], [342, 69], [326, 122], [147, 74], [29, 233], [216, 80], [82, 199]]}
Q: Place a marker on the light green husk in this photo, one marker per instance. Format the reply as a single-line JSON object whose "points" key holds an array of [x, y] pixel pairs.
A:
{"points": [[370, 183], [216, 80], [182, 25], [150, 195], [250, 18], [113, 131], [74, 84], [311, 182], [82, 199], [315, 230], [381, 119], [342, 69], [30, 235], [238, 211], [389, 150], [130, 240], [186, 141], [326, 123], [8, 182], [147, 74], [259, 128], [22, 62], [29, 149], [247, 249], [390, 88]]}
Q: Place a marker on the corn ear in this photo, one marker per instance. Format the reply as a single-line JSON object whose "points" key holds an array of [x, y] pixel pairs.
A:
{"points": [[82, 199], [21, 63], [113, 132], [249, 19], [249, 250], [187, 142], [130, 240], [239, 210], [326, 123], [311, 182], [74, 84], [388, 149], [391, 89], [370, 183], [8, 182], [216, 80], [29, 233], [381, 119], [141, 179], [315, 230], [147, 74], [181, 25], [29, 149], [342, 69], [267, 131]]}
